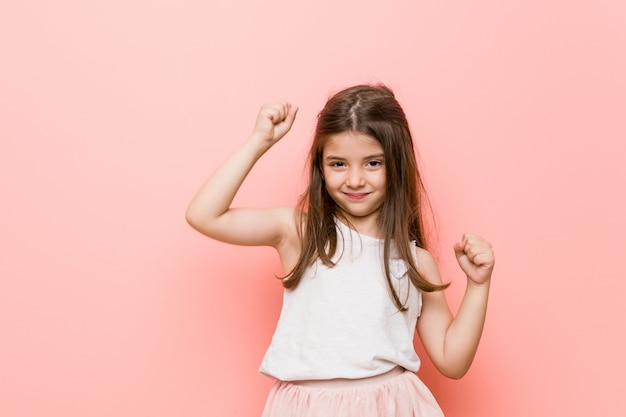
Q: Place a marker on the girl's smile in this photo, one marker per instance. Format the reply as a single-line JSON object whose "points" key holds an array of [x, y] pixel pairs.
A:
{"points": [[353, 196]]}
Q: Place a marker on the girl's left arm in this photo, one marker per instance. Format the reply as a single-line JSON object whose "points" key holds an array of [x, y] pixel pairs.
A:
{"points": [[451, 342]]}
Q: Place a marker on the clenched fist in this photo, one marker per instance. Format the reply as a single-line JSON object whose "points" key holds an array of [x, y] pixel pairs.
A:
{"points": [[475, 257]]}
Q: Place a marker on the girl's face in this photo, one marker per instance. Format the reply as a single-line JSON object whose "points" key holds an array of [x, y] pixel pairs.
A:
{"points": [[353, 165]]}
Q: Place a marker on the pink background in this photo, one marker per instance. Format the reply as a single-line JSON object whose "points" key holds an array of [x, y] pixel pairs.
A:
{"points": [[113, 113]]}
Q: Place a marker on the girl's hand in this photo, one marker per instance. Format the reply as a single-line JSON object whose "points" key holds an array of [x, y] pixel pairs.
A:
{"points": [[274, 121], [475, 257]]}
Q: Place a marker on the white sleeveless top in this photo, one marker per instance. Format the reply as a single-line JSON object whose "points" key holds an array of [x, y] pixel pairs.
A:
{"points": [[341, 322]]}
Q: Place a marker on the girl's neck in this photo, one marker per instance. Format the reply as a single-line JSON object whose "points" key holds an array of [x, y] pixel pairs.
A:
{"points": [[367, 226]]}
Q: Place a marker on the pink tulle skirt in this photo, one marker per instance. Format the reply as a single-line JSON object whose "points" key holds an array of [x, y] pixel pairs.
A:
{"points": [[397, 393]]}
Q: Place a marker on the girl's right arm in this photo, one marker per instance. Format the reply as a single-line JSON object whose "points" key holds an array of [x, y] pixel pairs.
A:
{"points": [[210, 213]]}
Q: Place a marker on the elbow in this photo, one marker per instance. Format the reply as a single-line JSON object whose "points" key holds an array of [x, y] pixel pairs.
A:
{"points": [[454, 375], [189, 217], [200, 222], [454, 371], [192, 218]]}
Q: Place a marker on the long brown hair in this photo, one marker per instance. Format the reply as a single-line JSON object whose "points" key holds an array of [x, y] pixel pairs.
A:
{"points": [[372, 110]]}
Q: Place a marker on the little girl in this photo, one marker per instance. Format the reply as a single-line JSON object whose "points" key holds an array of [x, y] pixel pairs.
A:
{"points": [[358, 275]]}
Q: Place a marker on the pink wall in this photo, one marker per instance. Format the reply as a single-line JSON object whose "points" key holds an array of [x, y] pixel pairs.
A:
{"points": [[113, 113]]}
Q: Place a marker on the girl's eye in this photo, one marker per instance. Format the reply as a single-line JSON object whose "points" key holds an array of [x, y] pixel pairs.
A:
{"points": [[374, 163], [337, 164]]}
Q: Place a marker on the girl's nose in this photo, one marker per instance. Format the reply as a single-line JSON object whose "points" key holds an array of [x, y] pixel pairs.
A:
{"points": [[355, 178]]}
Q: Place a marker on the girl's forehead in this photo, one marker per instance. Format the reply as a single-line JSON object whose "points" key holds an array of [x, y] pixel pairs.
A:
{"points": [[352, 141]]}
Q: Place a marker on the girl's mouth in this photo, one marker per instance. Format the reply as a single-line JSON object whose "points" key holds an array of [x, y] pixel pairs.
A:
{"points": [[356, 196]]}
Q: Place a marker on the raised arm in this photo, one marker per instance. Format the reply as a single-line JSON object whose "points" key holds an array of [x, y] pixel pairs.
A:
{"points": [[451, 342], [210, 211]]}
